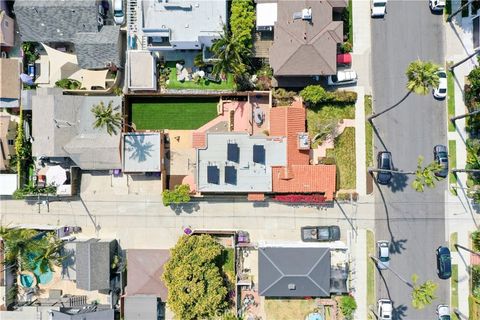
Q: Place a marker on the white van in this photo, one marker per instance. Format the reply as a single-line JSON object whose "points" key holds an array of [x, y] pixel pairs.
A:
{"points": [[118, 14]]}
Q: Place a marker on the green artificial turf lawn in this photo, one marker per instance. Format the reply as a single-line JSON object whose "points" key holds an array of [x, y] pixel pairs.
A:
{"points": [[180, 114]]}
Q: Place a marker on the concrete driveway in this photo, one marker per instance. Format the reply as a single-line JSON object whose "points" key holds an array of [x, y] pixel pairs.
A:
{"points": [[414, 222]]}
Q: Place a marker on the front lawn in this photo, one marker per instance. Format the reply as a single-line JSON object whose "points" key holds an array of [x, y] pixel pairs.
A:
{"points": [[319, 118], [288, 309], [368, 132], [452, 151], [370, 269], [454, 290], [202, 84], [344, 155], [171, 113]]}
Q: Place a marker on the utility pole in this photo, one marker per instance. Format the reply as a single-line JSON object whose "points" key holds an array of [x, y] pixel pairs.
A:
{"points": [[454, 171], [391, 171], [463, 60], [453, 119], [449, 18]]}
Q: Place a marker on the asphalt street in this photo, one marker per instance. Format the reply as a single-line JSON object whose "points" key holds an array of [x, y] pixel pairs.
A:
{"points": [[413, 222]]}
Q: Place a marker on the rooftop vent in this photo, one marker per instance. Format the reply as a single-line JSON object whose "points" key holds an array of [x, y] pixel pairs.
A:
{"points": [[291, 286], [307, 14]]}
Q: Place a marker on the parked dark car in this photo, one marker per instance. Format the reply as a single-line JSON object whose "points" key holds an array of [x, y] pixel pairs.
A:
{"points": [[384, 161], [440, 155], [444, 263], [320, 233]]}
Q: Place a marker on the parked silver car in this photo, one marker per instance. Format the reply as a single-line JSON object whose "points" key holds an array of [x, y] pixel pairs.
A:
{"points": [[383, 254]]}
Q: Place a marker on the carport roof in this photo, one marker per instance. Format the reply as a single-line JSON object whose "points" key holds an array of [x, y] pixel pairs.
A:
{"points": [[294, 272]]}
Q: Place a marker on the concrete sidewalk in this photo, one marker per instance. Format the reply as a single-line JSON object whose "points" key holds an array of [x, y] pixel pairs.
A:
{"points": [[461, 217], [358, 249]]}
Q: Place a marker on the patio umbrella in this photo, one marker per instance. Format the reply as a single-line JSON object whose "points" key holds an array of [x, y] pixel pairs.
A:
{"points": [[26, 79], [56, 175]]}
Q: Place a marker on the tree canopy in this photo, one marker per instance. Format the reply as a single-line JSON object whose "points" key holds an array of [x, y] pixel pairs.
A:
{"points": [[196, 287], [425, 176], [180, 194], [423, 294], [107, 117], [242, 21], [422, 76]]}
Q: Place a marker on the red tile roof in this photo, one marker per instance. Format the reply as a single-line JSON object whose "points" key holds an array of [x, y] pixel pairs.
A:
{"points": [[289, 122], [199, 140], [305, 179]]}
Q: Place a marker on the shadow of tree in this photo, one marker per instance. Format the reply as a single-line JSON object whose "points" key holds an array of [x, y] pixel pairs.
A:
{"points": [[399, 312], [397, 246], [189, 207], [399, 182], [140, 149]]}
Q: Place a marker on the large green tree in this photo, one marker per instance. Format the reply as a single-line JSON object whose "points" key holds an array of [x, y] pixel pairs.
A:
{"points": [[180, 194], [422, 76], [196, 286], [230, 54], [425, 176], [242, 21], [107, 117], [423, 294]]}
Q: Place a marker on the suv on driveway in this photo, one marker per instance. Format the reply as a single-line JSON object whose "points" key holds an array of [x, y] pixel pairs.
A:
{"points": [[342, 77], [440, 155], [320, 233], [444, 263]]}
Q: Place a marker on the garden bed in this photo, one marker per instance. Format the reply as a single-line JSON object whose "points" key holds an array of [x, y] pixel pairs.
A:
{"points": [[344, 155]]}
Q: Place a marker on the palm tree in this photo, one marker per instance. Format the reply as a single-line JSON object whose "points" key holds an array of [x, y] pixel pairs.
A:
{"points": [[18, 244], [422, 76], [107, 117], [49, 254], [425, 176], [230, 54], [423, 294]]}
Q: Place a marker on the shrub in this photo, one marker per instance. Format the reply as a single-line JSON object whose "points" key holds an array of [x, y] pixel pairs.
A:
{"points": [[476, 240], [283, 97], [346, 47], [242, 21], [348, 306], [343, 96], [180, 194], [300, 198], [69, 84], [315, 94], [28, 48]]}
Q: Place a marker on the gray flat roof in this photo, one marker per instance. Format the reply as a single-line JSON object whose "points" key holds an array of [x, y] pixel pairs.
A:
{"points": [[250, 176], [141, 71], [141, 307], [187, 20], [141, 152], [294, 272]]}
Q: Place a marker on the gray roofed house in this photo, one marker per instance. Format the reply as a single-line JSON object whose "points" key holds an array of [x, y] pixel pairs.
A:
{"points": [[306, 44], [62, 126], [87, 313], [142, 307], [93, 263], [95, 50], [50, 21], [294, 272]]}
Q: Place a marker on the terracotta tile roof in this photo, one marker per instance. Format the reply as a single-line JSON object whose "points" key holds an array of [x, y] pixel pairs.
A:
{"points": [[256, 197], [199, 140], [305, 179], [289, 122]]}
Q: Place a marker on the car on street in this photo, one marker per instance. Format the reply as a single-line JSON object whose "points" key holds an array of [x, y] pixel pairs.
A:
{"points": [[320, 233], [385, 308], [383, 250], [444, 263], [343, 77], [440, 92], [440, 154], [384, 162], [443, 312], [378, 8], [436, 5]]}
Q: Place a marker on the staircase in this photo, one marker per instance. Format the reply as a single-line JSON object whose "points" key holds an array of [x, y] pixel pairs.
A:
{"points": [[77, 301], [132, 17]]}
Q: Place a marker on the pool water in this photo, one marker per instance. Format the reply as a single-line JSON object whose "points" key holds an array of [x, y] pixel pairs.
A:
{"points": [[43, 278], [26, 280]]}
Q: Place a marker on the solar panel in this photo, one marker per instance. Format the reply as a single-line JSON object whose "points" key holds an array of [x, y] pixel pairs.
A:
{"points": [[231, 175], [213, 175], [259, 154], [233, 152]]}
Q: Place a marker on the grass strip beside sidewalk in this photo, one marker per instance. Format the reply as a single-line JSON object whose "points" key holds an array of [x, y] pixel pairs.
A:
{"points": [[450, 100], [370, 271]]}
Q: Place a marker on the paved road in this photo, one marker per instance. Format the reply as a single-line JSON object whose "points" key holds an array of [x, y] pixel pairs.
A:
{"points": [[409, 31]]}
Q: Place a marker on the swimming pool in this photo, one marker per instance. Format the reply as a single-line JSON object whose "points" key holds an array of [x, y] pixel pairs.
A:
{"points": [[30, 279]]}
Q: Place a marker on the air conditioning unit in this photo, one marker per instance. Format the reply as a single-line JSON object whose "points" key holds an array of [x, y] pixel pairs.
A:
{"points": [[307, 14]]}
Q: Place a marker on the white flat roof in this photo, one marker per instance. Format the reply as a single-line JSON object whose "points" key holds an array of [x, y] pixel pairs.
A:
{"points": [[141, 74], [8, 184], [266, 14], [141, 152]]}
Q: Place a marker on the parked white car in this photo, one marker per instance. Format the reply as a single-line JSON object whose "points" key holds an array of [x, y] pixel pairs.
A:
{"points": [[383, 248], [385, 309], [443, 312], [441, 91], [342, 77], [436, 5], [378, 8], [118, 13]]}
